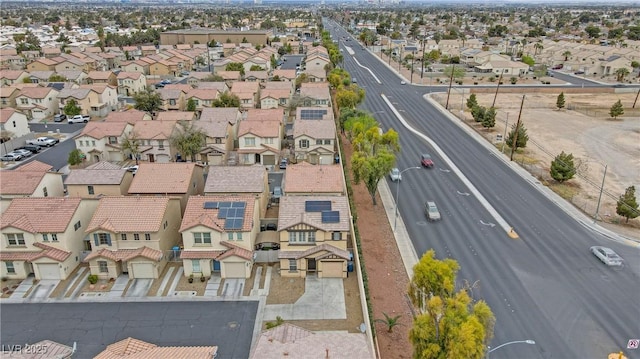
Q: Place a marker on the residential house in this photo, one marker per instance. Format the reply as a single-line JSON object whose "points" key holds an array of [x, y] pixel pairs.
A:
{"points": [[77, 77], [315, 141], [131, 116], [221, 86], [218, 234], [13, 62], [172, 99], [72, 63], [153, 138], [317, 62], [195, 77], [202, 97], [37, 103], [12, 77], [42, 64], [305, 179], [176, 180], [316, 75], [130, 83], [248, 93], [256, 76], [176, 116], [230, 77], [612, 64], [8, 96], [102, 78], [315, 94], [13, 124], [102, 141], [137, 66], [220, 124], [505, 67], [274, 98], [132, 348], [313, 233], [98, 180], [43, 236], [137, 245], [40, 77], [164, 68], [94, 100], [285, 75], [132, 52], [51, 52], [240, 180], [34, 179], [148, 50], [259, 142]]}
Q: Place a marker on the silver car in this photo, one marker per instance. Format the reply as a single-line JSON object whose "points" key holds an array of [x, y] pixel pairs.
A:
{"points": [[24, 153], [395, 175], [606, 255], [431, 211]]}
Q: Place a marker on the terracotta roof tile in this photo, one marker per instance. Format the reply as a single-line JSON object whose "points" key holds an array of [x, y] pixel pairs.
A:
{"points": [[292, 212], [95, 176], [186, 254], [17, 256], [163, 178], [99, 75], [259, 128], [126, 254], [40, 214], [203, 94], [99, 130], [318, 129], [148, 130], [36, 92], [240, 87], [35, 166], [129, 214], [130, 116], [235, 250], [176, 116], [274, 114], [235, 179], [195, 214], [131, 348], [103, 165], [307, 178], [51, 252]]}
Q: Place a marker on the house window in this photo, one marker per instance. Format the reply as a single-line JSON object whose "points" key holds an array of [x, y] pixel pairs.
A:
{"points": [[202, 238], [11, 269], [93, 143], [113, 140], [102, 267], [90, 190], [54, 237], [15, 239], [239, 236], [249, 141], [172, 102], [268, 141], [136, 236], [123, 236], [24, 101], [45, 237], [302, 237], [195, 266], [104, 239], [303, 143], [160, 144], [293, 265], [166, 223], [230, 236], [77, 226], [327, 142], [147, 236], [336, 236], [318, 142], [217, 140], [45, 192]]}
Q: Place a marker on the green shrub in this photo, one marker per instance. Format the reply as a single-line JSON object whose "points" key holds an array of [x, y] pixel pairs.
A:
{"points": [[92, 278]]}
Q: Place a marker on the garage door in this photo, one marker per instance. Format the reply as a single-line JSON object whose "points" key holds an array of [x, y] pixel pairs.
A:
{"points": [[163, 159], [326, 159], [143, 270], [269, 159], [49, 271], [234, 270], [332, 270]]}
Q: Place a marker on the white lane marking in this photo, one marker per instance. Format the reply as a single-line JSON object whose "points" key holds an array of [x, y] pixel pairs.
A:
{"points": [[368, 69]]}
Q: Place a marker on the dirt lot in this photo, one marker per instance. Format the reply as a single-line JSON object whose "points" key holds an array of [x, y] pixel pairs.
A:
{"points": [[589, 134]]}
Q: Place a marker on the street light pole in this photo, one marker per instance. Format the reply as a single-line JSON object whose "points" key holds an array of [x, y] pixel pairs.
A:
{"points": [[528, 341], [595, 217], [504, 138], [395, 219]]}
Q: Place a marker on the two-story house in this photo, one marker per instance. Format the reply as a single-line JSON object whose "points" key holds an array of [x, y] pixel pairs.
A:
{"points": [[37, 103], [98, 180], [130, 83], [248, 92], [172, 99], [43, 236], [102, 78], [102, 141], [259, 142], [131, 116], [176, 180], [315, 94], [34, 179], [8, 96], [13, 77], [218, 234], [137, 66], [313, 232], [305, 179], [42, 64], [315, 141], [220, 124], [274, 98], [13, 124], [137, 245], [242, 180], [154, 140], [202, 97]]}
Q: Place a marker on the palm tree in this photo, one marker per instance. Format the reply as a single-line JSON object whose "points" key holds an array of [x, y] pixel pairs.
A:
{"points": [[566, 55], [188, 139], [390, 322], [537, 46], [621, 73]]}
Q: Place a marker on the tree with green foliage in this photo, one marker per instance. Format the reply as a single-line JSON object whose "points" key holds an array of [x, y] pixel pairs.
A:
{"points": [[235, 66], [562, 167], [256, 68], [338, 77], [213, 78], [592, 31], [148, 101], [621, 73], [478, 113], [616, 110], [472, 101], [560, 101], [71, 108], [191, 105], [75, 157], [349, 96], [273, 61], [188, 139], [131, 145], [350, 113], [627, 206], [57, 78], [635, 65], [27, 80], [489, 118], [226, 99], [458, 72], [528, 60], [449, 324], [521, 140]]}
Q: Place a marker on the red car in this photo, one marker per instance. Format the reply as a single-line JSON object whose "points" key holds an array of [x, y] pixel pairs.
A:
{"points": [[426, 161]]}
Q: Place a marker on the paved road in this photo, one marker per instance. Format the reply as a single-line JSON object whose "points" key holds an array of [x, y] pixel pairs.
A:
{"points": [[57, 155], [291, 62], [545, 286], [93, 326]]}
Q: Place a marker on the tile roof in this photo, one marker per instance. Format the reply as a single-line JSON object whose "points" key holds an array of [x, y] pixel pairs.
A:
{"points": [[100, 130], [213, 85], [99, 75], [35, 166], [176, 116], [147, 130], [131, 348], [275, 93], [307, 178], [235, 250], [131, 116], [298, 342], [221, 114], [196, 215], [203, 94], [318, 129], [235, 179], [328, 115], [314, 91], [95, 176], [11, 74], [6, 113], [103, 165], [259, 128], [129, 75], [188, 254], [40, 214], [20, 182], [279, 85], [292, 212], [78, 93], [161, 178], [213, 128], [116, 214], [273, 114], [35, 92], [240, 86], [283, 73], [312, 252], [126, 254], [168, 94]]}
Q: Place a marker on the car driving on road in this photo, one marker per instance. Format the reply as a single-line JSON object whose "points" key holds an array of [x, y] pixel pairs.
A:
{"points": [[426, 161], [607, 256], [431, 211], [395, 175]]}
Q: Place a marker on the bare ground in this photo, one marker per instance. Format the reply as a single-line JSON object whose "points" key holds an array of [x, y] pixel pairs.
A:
{"points": [[8, 286]]}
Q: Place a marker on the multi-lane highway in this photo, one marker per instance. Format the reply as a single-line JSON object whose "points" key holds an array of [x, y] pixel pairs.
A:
{"points": [[545, 286]]}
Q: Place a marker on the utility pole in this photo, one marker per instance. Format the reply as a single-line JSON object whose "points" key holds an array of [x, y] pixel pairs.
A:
{"points": [[636, 100], [389, 54], [412, 62], [422, 71], [496, 95], [453, 69], [516, 130]]}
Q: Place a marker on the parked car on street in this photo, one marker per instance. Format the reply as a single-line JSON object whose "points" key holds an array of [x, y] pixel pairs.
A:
{"points": [[59, 117], [32, 148], [11, 156], [395, 175], [606, 255], [24, 153], [43, 141], [431, 211], [132, 169], [79, 119], [426, 161], [277, 192], [283, 163]]}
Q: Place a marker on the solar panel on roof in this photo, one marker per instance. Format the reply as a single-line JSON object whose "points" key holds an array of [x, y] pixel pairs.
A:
{"points": [[312, 114], [224, 204], [238, 204], [233, 223], [330, 217], [210, 205], [223, 213], [317, 206]]}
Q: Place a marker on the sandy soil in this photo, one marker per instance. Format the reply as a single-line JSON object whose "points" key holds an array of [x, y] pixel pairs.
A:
{"points": [[8, 286]]}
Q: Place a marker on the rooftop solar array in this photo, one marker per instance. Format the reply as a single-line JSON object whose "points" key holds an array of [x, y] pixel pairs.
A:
{"points": [[313, 114], [231, 212], [330, 217], [317, 206]]}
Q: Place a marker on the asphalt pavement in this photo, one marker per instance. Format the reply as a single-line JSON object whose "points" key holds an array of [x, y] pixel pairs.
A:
{"points": [[57, 155], [544, 286]]}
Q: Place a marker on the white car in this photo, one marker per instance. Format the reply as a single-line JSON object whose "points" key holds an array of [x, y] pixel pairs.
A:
{"points": [[132, 169], [403, 82], [395, 175], [431, 211], [23, 153], [606, 255]]}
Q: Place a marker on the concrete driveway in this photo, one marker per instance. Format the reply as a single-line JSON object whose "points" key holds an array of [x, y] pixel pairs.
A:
{"points": [[43, 289], [139, 288], [323, 299]]}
